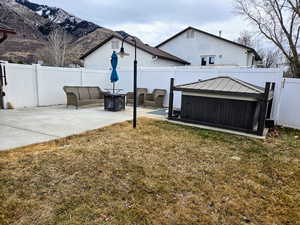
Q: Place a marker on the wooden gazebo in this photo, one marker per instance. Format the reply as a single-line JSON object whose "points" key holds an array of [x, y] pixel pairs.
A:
{"points": [[4, 31], [225, 102]]}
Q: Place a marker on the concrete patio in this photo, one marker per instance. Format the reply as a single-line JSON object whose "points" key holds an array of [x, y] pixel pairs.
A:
{"points": [[33, 125]]}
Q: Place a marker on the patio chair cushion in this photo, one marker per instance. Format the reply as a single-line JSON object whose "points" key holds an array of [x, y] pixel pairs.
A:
{"points": [[94, 92], [91, 101], [158, 92], [156, 98], [83, 93], [73, 90], [149, 97], [149, 103], [129, 101], [129, 95], [140, 96]]}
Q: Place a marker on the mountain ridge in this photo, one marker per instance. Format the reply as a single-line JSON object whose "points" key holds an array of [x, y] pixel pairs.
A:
{"points": [[34, 22], [57, 16]]}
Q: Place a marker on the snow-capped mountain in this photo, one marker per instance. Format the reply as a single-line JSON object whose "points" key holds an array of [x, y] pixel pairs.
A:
{"points": [[33, 24], [58, 16]]}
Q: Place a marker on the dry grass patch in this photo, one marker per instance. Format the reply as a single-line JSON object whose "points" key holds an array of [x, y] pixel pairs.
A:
{"points": [[160, 173]]}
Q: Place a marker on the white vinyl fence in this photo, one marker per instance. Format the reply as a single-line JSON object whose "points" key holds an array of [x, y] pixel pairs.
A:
{"points": [[289, 105], [35, 85], [152, 78]]}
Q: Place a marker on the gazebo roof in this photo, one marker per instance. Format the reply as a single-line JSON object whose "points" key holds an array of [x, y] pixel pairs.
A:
{"points": [[6, 29], [223, 85]]}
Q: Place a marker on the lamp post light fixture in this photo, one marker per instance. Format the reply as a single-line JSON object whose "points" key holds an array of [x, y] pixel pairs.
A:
{"points": [[122, 53]]}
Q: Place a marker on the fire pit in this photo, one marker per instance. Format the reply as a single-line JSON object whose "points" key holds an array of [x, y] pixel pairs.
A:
{"points": [[114, 102]]}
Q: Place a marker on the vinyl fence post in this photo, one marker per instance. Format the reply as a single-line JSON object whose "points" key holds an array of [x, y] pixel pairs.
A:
{"points": [[81, 76], [37, 89], [263, 110], [171, 98], [270, 103]]}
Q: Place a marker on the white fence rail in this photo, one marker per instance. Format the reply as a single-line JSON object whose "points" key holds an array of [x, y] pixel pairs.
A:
{"points": [[35, 85]]}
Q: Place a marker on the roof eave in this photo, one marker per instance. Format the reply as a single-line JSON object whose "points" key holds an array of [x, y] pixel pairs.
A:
{"points": [[179, 61], [113, 36], [257, 57], [162, 57], [95, 48], [227, 93], [172, 37]]}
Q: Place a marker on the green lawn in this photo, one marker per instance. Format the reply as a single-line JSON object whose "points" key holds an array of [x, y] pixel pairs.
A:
{"points": [[160, 173]]}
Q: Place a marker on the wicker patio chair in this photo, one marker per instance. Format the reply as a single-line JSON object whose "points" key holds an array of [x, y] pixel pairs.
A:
{"points": [[140, 93], [156, 99]]}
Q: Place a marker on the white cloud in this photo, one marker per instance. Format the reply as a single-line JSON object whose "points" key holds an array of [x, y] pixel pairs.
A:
{"points": [[157, 32], [154, 21], [117, 12]]}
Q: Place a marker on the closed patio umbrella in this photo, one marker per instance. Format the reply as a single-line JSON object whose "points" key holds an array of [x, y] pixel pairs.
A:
{"points": [[114, 75]]}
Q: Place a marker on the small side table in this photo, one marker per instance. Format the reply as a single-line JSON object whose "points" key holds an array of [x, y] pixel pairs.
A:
{"points": [[114, 102]]}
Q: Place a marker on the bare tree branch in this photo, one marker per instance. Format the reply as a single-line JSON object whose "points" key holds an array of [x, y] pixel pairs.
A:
{"points": [[295, 6], [276, 21], [269, 56], [55, 53]]}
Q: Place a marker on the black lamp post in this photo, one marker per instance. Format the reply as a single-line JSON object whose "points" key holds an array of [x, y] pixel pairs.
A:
{"points": [[122, 54]]}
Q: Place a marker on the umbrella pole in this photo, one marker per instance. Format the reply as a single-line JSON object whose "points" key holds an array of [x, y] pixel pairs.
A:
{"points": [[113, 87]]}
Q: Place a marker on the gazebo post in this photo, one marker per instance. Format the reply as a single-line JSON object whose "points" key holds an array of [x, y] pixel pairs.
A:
{"points": [[263, 110], [270, 103], [171, 98]]}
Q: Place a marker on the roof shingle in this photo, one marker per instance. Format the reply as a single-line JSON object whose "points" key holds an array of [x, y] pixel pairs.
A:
{"points": [[140, 45], [257, 57]]}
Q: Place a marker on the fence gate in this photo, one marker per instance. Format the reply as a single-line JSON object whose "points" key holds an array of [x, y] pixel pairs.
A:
{"points": [[289, 108]]}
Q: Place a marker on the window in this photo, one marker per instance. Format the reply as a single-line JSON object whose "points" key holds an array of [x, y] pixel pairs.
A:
{"points": [[212, 60], [115, 44], [208, 59], [203, 61]]}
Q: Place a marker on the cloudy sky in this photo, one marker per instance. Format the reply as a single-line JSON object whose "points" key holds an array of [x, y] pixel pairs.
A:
{"points": [[154, 21]]}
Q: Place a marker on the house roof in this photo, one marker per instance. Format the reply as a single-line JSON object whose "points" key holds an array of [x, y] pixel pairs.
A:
{"points": [[140, 45], [257, 57], [223, 84], [6, 29]]}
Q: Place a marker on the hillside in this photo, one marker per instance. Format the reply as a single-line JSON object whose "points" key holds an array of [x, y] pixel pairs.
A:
{"points": [[34, 22]]}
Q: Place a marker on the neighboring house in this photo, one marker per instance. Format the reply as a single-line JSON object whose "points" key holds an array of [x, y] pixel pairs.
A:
{"points": [[99, 57], [204, 49]]}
